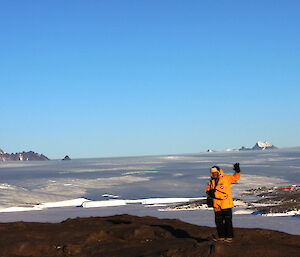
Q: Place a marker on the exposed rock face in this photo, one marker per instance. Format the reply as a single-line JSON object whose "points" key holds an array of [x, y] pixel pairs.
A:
{"points": [[23, 156], [66, 158], [130, 236], [276, 200]]}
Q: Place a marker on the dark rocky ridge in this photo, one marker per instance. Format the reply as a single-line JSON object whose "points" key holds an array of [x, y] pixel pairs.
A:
{"points": [[131, 236], [22, 156]]}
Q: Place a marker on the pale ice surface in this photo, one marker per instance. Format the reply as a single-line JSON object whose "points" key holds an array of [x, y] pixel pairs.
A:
{"points": [[51, 191]]}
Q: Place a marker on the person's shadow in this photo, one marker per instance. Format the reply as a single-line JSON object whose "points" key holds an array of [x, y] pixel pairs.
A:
{"points": [[179, 233]]}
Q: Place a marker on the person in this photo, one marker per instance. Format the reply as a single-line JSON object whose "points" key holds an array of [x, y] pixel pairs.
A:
{"points": [[219, 190]]}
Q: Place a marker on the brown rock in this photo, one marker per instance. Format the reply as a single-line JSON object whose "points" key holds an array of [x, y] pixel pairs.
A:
{"points": [[131, 236]]}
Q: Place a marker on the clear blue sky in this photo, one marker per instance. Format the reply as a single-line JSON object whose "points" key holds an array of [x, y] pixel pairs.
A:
{"points": [[120, 78]]}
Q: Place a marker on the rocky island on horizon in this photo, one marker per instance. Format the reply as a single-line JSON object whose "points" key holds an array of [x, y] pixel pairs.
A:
{"points": [[66, 158], [22, 156], [259, 146]]}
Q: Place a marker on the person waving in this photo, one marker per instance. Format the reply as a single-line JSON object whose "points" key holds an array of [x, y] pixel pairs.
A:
{"points": [[219, 190]]}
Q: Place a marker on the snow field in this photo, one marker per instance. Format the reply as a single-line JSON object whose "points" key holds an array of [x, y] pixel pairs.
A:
{"points": [[85, 203]]}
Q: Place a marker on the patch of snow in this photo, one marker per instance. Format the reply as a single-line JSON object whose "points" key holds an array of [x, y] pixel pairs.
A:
{"points": [[85, 203], [107, 203], [140, 172], [110, 196], [172, 157], [167, 200], [178, 174], [264, 144], [262, 204], [6, 186], [67, 203], [21, 209], [243, 211]]}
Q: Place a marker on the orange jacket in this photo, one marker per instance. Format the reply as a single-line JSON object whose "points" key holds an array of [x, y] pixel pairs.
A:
{"points": [[223, 196]]}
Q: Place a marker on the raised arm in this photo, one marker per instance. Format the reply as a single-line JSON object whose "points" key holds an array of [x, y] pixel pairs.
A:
{"points": [[237, 174]]}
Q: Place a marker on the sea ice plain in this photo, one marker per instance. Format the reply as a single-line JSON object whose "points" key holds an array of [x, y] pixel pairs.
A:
{"points": [[28, 184]]}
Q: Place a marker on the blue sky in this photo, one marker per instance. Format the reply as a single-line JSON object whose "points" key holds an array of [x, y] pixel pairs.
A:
{"points": [[142, 77]]}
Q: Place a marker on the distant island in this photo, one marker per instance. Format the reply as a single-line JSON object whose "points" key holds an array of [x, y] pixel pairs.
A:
{"points": [[66, 158], [22, 156], [260, 146]]}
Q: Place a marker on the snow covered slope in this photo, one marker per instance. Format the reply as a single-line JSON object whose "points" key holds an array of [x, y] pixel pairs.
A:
{"points": [[263, 146]]}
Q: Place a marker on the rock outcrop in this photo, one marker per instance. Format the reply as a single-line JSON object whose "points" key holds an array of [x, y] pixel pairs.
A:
{"points": [[66, 158], [131, 236]]}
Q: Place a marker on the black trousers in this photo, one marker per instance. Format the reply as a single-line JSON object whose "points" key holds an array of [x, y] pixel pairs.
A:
{"points": [[223, 221]]}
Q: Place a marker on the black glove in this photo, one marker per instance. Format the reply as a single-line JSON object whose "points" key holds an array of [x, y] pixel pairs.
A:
{"points": [[236, 167], [211, 193]]}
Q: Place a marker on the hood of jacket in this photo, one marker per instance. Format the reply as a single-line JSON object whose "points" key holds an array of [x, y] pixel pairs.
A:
{"points": [[220, 171]]}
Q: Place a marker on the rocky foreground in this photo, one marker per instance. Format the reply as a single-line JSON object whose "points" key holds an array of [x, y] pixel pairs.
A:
{"points": [[132, 236]]}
